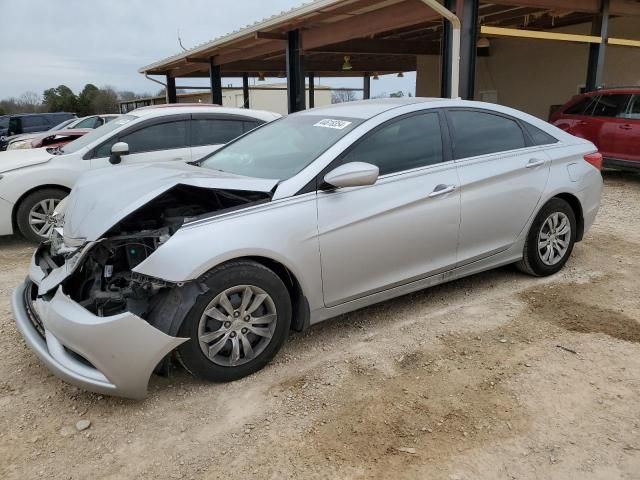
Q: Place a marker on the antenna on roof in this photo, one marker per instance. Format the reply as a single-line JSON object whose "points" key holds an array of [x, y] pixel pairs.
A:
{"points": [[180, 41]]}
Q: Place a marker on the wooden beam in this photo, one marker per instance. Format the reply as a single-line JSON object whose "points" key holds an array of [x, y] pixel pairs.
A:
{"points": [[624, 7], [404, 14], [197, 60], [380, 47], [271, 36], [322, 65], [591, 6], [250, 52], [515, 32], [617, 7], [624, 42]]}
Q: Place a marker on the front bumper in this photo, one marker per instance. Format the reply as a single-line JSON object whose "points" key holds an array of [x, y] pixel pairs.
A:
{"points": [[113, 355]]}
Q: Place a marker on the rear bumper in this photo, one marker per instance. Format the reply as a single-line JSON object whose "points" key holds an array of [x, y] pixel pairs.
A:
{"points": [[6, 222], [112, 355]]}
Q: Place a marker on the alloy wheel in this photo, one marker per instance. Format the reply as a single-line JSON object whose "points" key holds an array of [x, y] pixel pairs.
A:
{"points": [[41, 216], [237, 325], [554, 238]]}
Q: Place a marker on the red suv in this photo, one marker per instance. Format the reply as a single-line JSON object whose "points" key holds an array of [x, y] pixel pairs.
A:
{"points": [[610, 118]]}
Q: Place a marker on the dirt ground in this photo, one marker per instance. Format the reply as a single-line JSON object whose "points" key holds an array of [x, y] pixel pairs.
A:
{"points": [[497, 376]]}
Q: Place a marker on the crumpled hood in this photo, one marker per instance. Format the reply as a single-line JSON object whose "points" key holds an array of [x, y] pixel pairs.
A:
{"points": [[14, 159], [103, 197]]}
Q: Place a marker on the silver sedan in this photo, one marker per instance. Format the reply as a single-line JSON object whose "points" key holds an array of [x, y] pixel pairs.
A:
{"points": [[314, 215]]}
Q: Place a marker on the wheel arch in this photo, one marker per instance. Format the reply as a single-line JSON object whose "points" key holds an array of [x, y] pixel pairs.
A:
{"points": [[299, 304], [16, 206], [576, 206], [301, 312]]}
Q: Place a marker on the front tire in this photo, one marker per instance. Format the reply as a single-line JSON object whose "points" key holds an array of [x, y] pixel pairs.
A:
{"points": [[33, 216], [550, 239], [239, 325]]}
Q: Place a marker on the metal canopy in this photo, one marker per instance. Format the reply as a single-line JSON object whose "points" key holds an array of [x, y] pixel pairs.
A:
{"points": [[382, 36]]}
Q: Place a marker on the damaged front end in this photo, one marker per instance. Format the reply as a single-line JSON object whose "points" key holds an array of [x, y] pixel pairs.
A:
{"points": [[95, 321], [105, 283]]}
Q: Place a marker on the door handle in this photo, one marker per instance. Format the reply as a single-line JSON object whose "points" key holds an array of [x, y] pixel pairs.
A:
{"points": [[442, 190], [176, 159], [626, 126], [535, 162]]}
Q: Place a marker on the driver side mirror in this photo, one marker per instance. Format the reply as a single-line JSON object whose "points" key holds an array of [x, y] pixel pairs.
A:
{"points": [[352, 174], [117, 150]]}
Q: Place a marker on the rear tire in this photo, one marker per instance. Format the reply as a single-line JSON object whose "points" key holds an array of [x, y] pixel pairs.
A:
{"points": [[35, 210], [247, 321], [550, 239]]}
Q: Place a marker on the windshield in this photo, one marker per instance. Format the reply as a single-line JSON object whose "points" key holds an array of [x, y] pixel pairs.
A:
{"points": [[4, 122], [281, 149], [97, 134]]}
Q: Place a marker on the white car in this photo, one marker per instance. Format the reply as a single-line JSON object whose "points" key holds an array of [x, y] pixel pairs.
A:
{"points": [[33, 181]]}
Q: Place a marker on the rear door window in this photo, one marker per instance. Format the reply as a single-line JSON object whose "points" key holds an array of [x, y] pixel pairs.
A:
{"points": [[611, 105], [208, 131], [480, 133]]}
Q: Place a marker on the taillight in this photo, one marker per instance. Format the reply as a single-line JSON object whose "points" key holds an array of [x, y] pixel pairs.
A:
{"points": [[594, 159]]}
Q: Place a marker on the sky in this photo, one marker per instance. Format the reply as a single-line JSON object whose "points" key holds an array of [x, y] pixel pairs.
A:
{"points": [[46, 43]]}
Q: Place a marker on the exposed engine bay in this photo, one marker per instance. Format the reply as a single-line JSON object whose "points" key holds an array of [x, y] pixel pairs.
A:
{"points": [[104, 282]]}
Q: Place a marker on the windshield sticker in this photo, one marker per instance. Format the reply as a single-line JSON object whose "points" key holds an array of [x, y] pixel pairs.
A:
{"points": [[330, 123]]}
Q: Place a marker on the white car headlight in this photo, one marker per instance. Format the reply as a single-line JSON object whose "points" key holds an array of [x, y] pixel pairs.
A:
{"points": [[20, 144]]}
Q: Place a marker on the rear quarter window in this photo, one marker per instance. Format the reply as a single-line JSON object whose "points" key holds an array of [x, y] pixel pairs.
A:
{"points": [[538, 136]]}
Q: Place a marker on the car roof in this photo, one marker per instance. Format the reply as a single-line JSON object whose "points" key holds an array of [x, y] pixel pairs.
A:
{"points": [[607, 91], [366, 109], [181, 108]]}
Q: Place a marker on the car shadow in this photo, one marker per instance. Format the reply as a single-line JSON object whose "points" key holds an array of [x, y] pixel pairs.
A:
{"points": [[623, 176]]}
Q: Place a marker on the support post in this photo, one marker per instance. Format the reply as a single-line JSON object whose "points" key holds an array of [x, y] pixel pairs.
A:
{"points": [[172, 97], [366, 86], [245, 90], [312, 90], [600, 28], [467, 11], [446, 54], [215, 79], [295, 72]]}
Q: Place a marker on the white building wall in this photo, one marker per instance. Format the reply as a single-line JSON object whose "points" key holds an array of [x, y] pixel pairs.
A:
{"points": [[272, 100]]}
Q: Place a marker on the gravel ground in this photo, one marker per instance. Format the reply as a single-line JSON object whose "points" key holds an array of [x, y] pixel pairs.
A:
{"points": [[495, 376]]}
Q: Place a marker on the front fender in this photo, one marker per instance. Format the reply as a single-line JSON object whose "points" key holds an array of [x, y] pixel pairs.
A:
{"points": [[284, 231]]}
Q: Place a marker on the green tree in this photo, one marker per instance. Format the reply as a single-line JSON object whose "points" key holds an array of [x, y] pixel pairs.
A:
{"points": [[86, 98], [60, 99]]}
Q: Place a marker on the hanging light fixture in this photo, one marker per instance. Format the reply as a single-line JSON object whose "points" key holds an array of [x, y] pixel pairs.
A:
{"points": [[375, 76], [346, 66], [400, 75], [260, 77]]}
